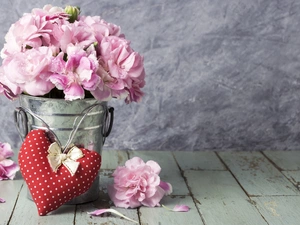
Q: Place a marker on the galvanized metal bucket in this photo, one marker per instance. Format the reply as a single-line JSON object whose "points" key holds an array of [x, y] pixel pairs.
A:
{"points": [[62, 117]]}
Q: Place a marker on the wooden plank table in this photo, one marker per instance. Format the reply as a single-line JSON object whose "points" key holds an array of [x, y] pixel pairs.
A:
{"points": [[234, 188]]}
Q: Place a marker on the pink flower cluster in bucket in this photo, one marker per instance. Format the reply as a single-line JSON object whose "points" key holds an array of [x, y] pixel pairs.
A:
{"points": [[55, 50], [8, 168]]}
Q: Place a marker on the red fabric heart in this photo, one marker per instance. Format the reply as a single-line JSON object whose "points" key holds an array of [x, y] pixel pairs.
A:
{"points": [[48, 189]]}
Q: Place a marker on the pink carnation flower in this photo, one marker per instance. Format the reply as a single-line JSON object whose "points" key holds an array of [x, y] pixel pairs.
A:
{"points": [[45, 49], [75, 74], [125, 68], [28, 71], [99, 28], [137, 183], [8, 168], [34, 30]]}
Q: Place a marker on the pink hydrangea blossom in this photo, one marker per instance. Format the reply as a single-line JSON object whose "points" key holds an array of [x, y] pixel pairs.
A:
{"points": [[8, 168], [137, 183]]}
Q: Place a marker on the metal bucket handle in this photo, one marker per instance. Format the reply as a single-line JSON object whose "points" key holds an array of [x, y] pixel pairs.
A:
{"points": [[21, 118], [109, 116], [21, 122]]}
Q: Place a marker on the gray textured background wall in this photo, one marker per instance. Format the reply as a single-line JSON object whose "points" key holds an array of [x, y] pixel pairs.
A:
{"points": [[220, 74]]}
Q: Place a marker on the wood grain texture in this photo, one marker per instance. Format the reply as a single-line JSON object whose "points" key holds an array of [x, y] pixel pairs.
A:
{"points": [[294, 177], [285, 160], [207, 160], [26, 213], [233, 211], [111, 159], [257, 175], [279, 210], [213, 185], [221, 200], [151, 216], [9, 190]]}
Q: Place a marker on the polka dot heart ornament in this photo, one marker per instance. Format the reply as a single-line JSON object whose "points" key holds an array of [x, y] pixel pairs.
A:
{"points": [[53, 177]]}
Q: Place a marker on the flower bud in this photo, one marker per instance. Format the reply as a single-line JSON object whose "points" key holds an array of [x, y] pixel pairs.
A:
{"points": [[73, 12]]}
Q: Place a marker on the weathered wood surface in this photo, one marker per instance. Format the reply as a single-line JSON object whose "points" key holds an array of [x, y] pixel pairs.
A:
{"points": [[257, 175], [285, 160], [162, 216], [221, 200], [25, 213], [221, 188], [279, 210], [198, 161], [9, 190]]}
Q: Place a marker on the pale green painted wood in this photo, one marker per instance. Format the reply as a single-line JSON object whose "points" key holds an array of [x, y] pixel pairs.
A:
{"points": [[221, 200], [106, 179], [159, 215], [112, 158], [228, 211], [9, 190], [245, 160], [279, 210], [257, 175], [169, 169], [198, 160], [219, 197], [293, 176], [285, 160], [26, 213], [213, 185]]}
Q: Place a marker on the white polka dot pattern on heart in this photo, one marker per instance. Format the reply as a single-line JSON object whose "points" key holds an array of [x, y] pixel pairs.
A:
{"points": [[49, 189]]}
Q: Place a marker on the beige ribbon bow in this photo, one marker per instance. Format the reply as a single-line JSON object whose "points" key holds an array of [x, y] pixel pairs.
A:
{"points": [[56, 158]]}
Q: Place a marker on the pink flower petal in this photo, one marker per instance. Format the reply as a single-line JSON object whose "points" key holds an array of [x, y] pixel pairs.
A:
{"points": [[60, 81], [167, 187], [178, 208], [134, 163], [155, 199], [101, 211], [11, 170], [73, 92], [2, 200], [181, 208], [5, 150], [154, 166]]}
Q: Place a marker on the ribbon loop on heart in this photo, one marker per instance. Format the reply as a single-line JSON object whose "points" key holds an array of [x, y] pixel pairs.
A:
{"points": [[56, 158]]}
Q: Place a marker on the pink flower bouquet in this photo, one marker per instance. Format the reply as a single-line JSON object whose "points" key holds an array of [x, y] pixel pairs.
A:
{"points": [[56, 53]]}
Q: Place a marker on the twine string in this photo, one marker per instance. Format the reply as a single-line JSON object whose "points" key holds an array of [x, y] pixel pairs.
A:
{"points": [[21, 112], [83, 114]]}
